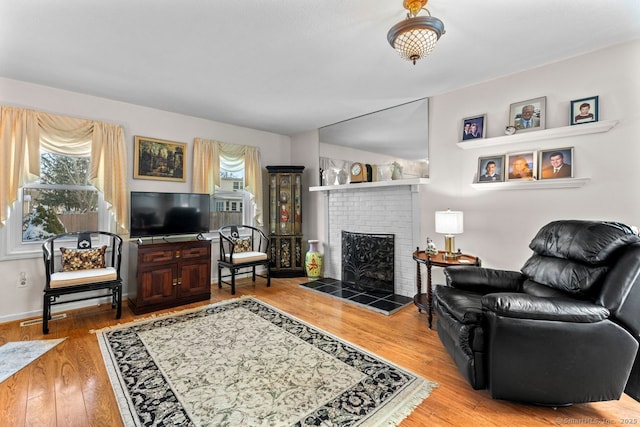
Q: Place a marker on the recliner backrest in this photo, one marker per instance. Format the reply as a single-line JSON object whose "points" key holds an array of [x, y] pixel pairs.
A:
{"points": [[575, 256]]}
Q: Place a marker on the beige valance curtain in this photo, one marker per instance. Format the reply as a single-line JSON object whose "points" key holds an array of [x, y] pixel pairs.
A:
{"points": [[22, 134], [206, 168]]}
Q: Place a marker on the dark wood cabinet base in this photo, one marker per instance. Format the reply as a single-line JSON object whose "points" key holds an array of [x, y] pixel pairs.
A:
{"points": [[164, 275]]}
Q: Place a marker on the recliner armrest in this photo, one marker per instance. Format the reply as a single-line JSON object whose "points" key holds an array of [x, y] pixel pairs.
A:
{"points": [[483, 280], [524, 306]]}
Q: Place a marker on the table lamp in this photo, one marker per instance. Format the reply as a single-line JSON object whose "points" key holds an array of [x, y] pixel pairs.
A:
{"points": [[449, 223]]}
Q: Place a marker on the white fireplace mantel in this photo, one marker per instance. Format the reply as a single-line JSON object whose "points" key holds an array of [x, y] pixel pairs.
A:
{"points": [[361, 185]]}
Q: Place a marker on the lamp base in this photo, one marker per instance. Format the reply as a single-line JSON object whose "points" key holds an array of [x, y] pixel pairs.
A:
{"points": [[449, 246]]}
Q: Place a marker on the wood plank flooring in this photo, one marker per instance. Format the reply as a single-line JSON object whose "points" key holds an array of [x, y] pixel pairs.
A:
{"points": [[68, 386]]}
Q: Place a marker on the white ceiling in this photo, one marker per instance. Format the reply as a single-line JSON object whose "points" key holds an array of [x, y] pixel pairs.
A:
{"points": [[288, 66]]}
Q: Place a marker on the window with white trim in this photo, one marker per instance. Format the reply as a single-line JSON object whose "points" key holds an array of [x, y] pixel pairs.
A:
{"points": [[61, 200], [230, 199]]}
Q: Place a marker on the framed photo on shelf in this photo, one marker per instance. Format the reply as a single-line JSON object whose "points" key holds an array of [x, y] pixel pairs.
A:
{"points": [[556, 163], [490, 169], [159, 159], [521, 166], [529, 115], [473, 127], [584, 110]]}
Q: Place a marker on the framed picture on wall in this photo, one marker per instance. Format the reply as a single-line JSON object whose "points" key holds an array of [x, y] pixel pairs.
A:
{"points": [[473, 127], [521, 166], [556, 163], [490, 169], [584, 110], [159, 159], [529, 115]]}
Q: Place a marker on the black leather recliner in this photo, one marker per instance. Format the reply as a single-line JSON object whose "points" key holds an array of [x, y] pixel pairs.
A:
{"points": [[563, 330]]}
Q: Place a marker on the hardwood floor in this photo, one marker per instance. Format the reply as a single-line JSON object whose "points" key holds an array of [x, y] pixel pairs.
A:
{"points": [[68, 386]]}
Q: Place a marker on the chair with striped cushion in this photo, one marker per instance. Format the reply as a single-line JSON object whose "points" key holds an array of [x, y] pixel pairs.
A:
{"points": [[242, 249], [88, 261]]}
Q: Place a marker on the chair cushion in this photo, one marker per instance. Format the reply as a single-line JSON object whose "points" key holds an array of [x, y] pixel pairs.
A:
{"points": [[82, 277], [83, 259], [242, 257]]}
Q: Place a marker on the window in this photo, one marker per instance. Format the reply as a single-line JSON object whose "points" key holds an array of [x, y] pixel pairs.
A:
{"points": [[228, 200], [61, 200], [230, 173]]}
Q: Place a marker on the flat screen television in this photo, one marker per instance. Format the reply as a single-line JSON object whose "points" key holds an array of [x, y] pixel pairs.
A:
{"points": [[164, 214]]}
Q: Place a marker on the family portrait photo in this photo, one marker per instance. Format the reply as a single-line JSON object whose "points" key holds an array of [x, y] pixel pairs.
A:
{"points": [[584, 110], [528, 115], [473, 127], [491, 169], [556, 163], [521, 166]]}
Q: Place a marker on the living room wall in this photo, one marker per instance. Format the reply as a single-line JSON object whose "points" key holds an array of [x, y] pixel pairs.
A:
{"points": [[498, 225], [136, 120]]}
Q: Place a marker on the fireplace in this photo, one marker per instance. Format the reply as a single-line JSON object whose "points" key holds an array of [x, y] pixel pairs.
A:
{"points": [[367, 261]]}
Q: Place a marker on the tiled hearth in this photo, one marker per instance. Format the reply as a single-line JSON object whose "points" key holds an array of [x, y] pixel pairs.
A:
{"points": [[385, 303]]}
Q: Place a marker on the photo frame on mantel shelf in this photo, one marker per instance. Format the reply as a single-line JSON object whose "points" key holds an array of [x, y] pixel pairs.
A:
{"points": [[473, 127], [521, 166], [529, 115], [159, 159], [490, 169], [584, 110], [556, 163]]}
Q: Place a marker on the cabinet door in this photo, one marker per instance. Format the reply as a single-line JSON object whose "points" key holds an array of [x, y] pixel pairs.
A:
{"points": [[194, 279], [157, 285]]}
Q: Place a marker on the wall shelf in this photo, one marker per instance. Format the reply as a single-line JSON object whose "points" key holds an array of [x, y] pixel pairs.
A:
{"points": [[531, 185], [361, 185], [555, 133]]}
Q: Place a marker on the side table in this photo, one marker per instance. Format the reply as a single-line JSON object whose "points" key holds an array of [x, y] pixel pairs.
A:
{"points": [[423, 300]]}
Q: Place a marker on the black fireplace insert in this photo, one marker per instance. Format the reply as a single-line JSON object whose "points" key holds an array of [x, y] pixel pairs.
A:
{"points": [[367, 261]]}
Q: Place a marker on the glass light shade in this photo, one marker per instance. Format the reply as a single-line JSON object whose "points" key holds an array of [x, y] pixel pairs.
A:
{"points": [[414, 38], [449, 222]]}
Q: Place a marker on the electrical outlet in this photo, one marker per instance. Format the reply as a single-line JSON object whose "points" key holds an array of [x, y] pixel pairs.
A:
{"points": [[22, 283]]}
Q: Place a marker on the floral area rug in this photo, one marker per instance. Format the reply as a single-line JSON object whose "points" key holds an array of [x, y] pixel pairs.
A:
{"points": [[244, 363], [16, 355]]}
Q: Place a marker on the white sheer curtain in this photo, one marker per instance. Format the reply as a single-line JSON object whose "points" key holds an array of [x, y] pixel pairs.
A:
{"points": [[23, 132], [206, 168]]}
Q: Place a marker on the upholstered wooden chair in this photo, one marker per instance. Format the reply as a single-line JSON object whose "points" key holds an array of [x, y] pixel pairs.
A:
{"points": [[82, 266], [242, 248]]}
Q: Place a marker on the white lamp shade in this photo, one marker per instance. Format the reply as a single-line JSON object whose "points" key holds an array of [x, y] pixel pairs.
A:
{"points": [[449, 222]]}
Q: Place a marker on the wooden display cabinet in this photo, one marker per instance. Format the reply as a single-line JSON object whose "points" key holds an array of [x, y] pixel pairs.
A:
{"points": [[285, 221], [168, 274]]}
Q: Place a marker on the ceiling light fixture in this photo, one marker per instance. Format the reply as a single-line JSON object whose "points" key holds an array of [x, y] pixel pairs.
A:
{"points": [[415, 37]]}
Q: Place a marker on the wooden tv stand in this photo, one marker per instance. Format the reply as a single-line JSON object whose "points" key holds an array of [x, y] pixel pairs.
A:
{"points": [[168, 274]]}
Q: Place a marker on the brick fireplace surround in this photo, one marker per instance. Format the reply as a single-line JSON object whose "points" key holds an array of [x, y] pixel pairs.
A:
{"points": [[391, 207]]}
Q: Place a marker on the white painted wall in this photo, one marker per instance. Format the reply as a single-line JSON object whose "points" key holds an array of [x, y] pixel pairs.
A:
{"points": [[274, 149], [498, 225]]}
